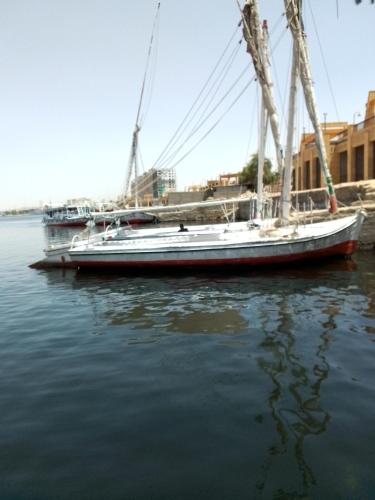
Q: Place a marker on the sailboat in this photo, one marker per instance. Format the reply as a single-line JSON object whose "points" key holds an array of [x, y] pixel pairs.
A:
{"points": [[135, 216], [238, 243]]}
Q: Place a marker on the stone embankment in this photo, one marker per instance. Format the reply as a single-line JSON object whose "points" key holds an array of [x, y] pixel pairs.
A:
{"points": [[350, 197], [367, 236], [311, 204]]}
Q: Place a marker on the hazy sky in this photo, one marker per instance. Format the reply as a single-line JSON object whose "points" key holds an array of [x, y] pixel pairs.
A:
{"points": [[71, 74]]}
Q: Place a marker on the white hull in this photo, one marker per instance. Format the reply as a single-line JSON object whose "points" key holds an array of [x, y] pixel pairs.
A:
{"points": [[223, 247], [58, 255]]}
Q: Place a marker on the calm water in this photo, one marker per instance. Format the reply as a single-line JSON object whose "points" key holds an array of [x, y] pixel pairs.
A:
{"points": [[243, 386]]}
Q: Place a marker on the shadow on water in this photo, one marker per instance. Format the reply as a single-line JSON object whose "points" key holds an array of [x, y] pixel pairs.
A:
{"points": [[204, 302]]}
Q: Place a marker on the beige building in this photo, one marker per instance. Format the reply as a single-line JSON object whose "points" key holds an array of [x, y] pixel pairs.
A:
{"points": [[231, 179], [350, 150]]}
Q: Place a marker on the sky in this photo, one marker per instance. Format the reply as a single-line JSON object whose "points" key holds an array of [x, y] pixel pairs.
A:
{"points": [[71, 73]]}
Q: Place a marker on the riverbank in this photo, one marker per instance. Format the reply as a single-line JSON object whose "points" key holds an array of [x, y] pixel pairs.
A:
{"points": [[312, 207]]}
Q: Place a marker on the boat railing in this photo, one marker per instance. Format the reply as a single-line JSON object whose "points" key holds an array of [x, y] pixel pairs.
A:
{"points": [[76, 237], [108, 228], [229, 212], [87, 236]]}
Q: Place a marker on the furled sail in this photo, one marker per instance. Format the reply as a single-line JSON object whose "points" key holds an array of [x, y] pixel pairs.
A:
{"points": [[286, 181], [294, 22], [255, 46]]}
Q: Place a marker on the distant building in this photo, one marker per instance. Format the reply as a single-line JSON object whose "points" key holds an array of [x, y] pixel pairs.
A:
{"points": [[154, 184], [350, 151], [229, 179], [84, 202], [213, 183], [225, 180]]}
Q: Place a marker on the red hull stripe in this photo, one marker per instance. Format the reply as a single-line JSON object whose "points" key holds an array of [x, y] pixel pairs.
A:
{"points": [[66, 224], [139, 221], [345, 248]]}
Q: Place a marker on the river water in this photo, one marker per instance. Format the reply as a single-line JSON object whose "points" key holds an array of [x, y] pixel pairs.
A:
{"points": [[250, 385]]}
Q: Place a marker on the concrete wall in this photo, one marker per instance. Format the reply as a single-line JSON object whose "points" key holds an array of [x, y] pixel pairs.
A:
{"points": [[349, 194], [185, 197], [228, 191], [219, 193], [346, 194]]}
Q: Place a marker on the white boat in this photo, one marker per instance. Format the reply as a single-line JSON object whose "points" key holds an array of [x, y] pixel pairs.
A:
{"points": [[223, 247], [235, 244], [58, 255], [66, 215]]}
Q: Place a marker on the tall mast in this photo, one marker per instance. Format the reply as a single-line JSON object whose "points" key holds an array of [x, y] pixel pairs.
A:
{"points": [[286, 181], [261, 157], [133, 157], [292, 13], [133, 163], [255, 47], [262, 130]]}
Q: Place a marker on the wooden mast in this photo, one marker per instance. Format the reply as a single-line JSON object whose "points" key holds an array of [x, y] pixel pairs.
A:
{"points": [[286, 181], [294, 22], [133, 158], [263, 125], [255, 47]]}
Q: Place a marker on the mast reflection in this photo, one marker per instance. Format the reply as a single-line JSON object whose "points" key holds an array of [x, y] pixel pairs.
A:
{"points": [[295, 405]]}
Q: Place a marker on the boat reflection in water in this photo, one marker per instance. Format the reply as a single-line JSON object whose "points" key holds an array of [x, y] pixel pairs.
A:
{"points": [[261, 346]]}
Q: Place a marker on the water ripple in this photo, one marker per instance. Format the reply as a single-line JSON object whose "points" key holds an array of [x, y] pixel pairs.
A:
{"points": [[249, 385]]}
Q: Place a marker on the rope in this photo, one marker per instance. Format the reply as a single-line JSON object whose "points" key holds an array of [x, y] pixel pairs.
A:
{"points": [[199, 125], [196, 144], [255, 112], [132, 162], [216, 123], [182, 125], [324, 64], [147, 65], [152, 73], [223, 74], [166, 155]]}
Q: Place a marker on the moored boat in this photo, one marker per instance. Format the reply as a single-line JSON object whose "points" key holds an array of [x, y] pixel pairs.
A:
{"points": [[66, 215], [131, 218], [247, 246], [282, 242]]}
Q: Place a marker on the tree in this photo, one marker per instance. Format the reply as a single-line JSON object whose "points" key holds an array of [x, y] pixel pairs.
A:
{"points": [[249, 174]]}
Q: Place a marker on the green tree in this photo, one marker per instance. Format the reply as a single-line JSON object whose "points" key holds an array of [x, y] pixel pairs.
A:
{"points": [[249, 174]]}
